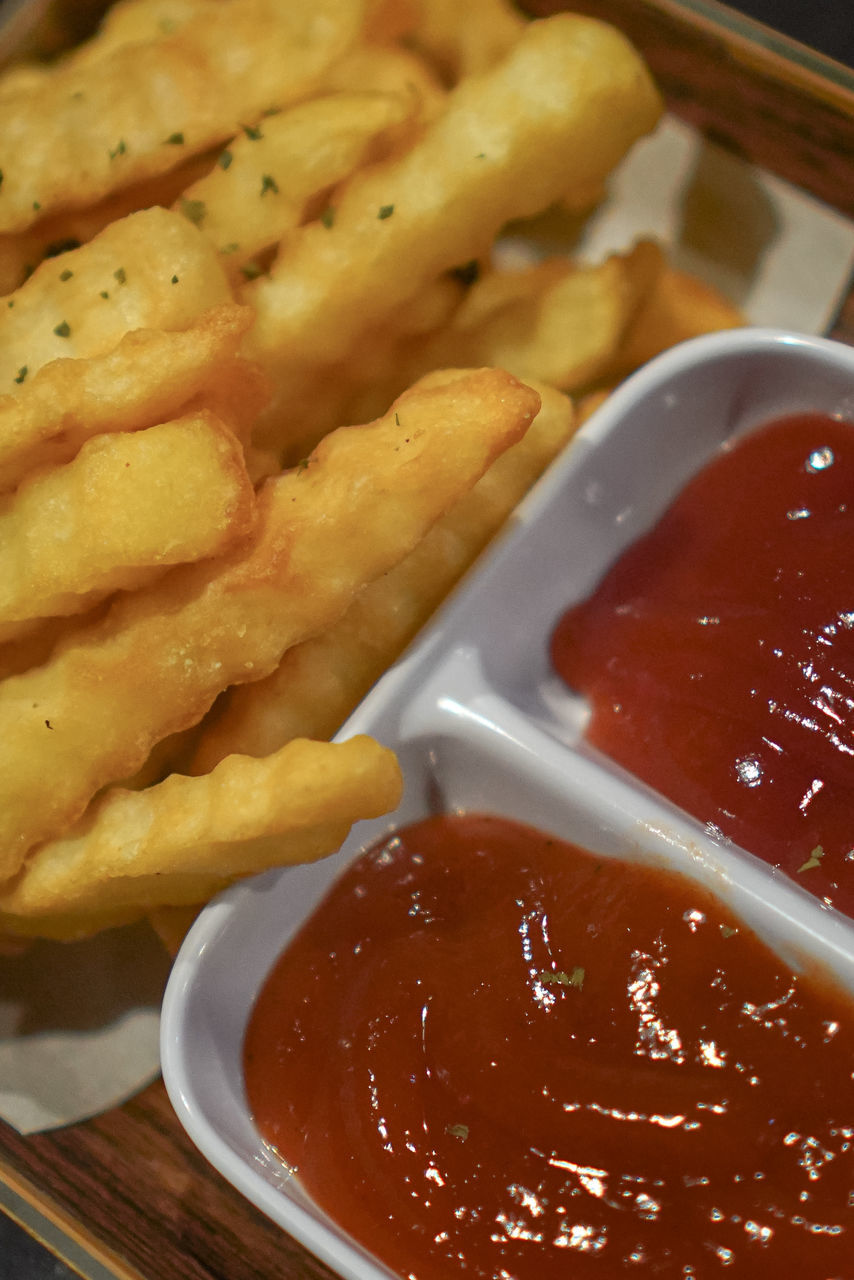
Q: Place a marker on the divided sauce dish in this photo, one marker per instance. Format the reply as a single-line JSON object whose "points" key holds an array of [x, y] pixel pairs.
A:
{"points": [[481, 724]]}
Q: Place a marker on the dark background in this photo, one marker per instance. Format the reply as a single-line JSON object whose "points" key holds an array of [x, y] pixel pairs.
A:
{"points": [[825, 25]]}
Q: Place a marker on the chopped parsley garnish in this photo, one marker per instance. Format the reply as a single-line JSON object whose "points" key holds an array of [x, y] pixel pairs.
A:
{"points": [[225, 159], [66, 274], [36, 205], [251, 270], [460, 1131], [253, 132], [175, 140], [120, 275], [11, 302], [328, 217], [303, 465], [104, 293], [194, 210], [814, 860], [397, 419], [22, 373], [63, 330], [118, 150], [386, 210], [230, 248], [174, 279], [269, 183]]}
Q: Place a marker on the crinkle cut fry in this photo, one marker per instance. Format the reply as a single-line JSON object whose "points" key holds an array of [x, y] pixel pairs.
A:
{"points": [[154, 665], [149, 105], [566, 104], [319, 682], [129, 506], [181, 841], [148, 377], [150, 270]]}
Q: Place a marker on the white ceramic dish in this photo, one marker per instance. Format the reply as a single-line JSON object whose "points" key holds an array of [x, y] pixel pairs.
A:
{"points": [[479, 722]]}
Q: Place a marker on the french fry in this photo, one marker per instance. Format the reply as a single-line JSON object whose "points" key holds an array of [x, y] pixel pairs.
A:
{"points": [[51, 236], [184, 839], [570, 98], [677, 307], [263, 182], [319, 682], [75, 136], [151, 270], [148, 377], [465, 39], [385, 68], [126, 508], [353, 510]]}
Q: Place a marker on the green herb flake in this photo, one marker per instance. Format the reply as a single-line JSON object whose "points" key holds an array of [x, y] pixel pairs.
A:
{"points": [[251, 270], [11, 302], [328, 217], [561, 978], [230, 248], [120, 275], [104, 293], [175, 140], [63, 330], [460, 1131], [194, 210], [269, 183], [303, 465], [36, 205], [174, 279], [386, 210], [814, 860], [727, 931], [253, 132], [66, 274], [22, 373], [225, 159], [120, 149]]}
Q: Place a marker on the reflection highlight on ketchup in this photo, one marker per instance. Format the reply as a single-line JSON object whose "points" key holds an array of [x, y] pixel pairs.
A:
{"points": [[492, 1054], [717, 655]]}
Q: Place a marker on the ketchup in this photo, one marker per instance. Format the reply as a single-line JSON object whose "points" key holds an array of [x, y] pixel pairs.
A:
{"points": [[492, 1054], [717, 654]]}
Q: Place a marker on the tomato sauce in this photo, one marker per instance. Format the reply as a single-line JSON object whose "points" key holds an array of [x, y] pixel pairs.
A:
{"points": [[717, 655], [492, 1054]]}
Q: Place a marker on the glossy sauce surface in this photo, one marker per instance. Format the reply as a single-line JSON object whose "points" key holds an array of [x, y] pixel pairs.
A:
{"points": [[718, 653], [492, 1054]]}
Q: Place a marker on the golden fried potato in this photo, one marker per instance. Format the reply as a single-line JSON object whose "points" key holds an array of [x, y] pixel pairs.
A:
{"points": [[384, 68], [264, 181], [465, 39], [557, 322], [76, 136], [52, 236], [148, 377], [151, 270], [183, 840], [319, 682], [570, 99], [677, 307], [348, 514], [127, 507]]}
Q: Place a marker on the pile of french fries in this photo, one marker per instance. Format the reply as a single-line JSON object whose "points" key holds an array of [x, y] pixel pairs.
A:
{"points": [[229, 229]]}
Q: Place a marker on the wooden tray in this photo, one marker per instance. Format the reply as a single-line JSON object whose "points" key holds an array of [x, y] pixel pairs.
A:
{"points": [[127, 1195]]}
